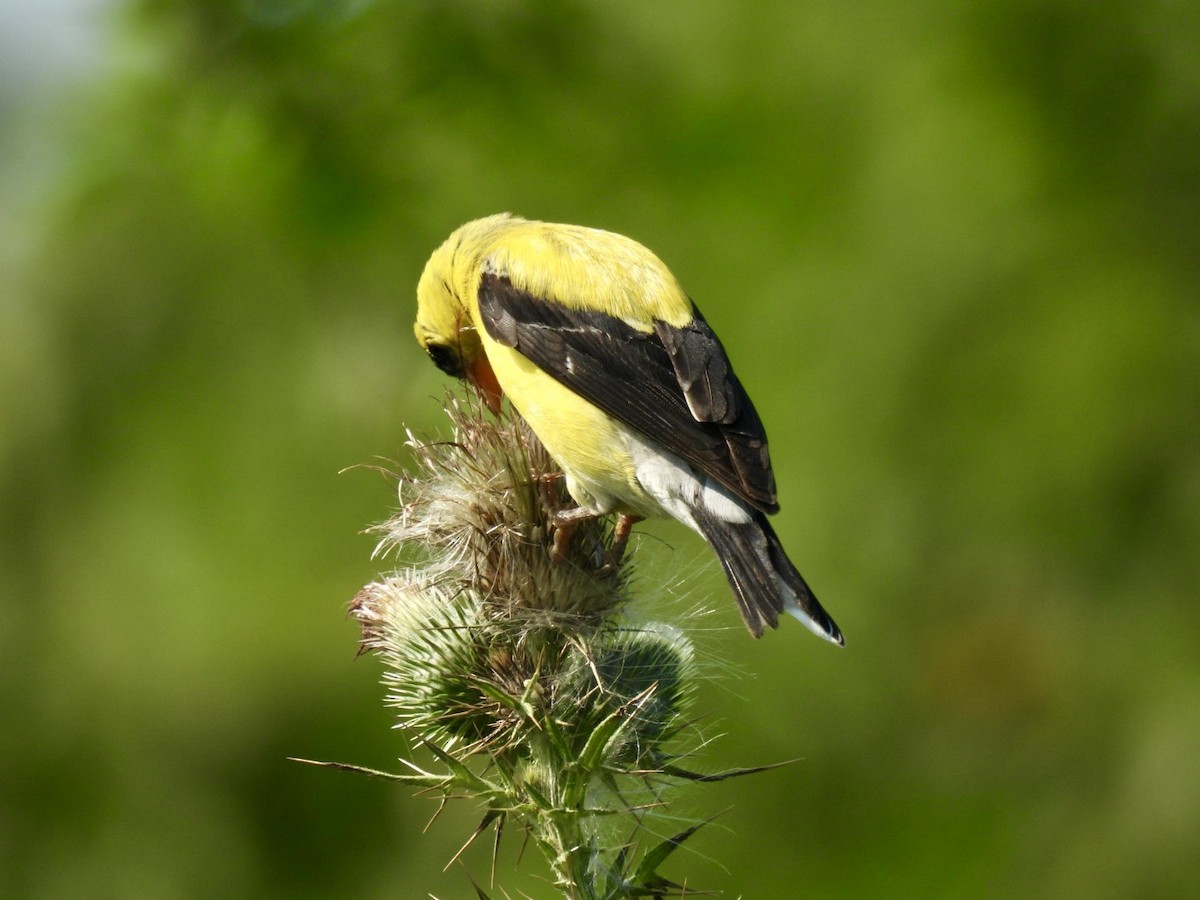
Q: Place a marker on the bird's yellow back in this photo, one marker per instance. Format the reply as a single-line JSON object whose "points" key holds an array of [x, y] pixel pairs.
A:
{"points": [[581, 268]]}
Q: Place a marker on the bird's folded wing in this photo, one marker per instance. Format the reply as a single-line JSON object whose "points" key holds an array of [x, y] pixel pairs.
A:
{"points": [[673, 385]]}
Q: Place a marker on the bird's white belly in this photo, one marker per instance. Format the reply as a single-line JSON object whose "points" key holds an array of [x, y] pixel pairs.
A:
{"points": [[678, 489]]}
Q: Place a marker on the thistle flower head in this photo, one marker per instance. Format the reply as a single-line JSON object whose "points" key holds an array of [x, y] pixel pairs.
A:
{"points": [[500, 649]]}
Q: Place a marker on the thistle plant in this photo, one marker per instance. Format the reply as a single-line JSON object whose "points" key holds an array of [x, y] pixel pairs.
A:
{"points": [[517, 668]]}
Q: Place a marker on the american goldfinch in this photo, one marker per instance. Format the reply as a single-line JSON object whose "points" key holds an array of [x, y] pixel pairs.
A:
{"points": [[599, 349]]}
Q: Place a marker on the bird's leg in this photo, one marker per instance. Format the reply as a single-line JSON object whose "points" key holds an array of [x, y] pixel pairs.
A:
{"points": [[565, 523], [548, 482], [621, 531]]}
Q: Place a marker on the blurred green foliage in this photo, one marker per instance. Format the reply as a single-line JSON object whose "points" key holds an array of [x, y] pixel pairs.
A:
{"points": [[954, 251]]}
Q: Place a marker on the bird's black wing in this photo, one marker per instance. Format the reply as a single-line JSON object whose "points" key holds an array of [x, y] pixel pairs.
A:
{"points": [[673, 385]]}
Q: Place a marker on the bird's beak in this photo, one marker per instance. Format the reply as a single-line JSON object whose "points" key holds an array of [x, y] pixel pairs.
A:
{"points": [[480, 374]]}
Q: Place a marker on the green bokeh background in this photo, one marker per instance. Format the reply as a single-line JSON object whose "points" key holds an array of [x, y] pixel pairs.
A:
{"points": [[954, 252]]}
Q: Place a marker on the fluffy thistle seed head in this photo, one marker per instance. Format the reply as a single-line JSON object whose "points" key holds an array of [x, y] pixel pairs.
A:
{"points": [[480, 510]]}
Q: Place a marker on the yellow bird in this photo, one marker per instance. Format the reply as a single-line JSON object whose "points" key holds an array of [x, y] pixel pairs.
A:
{"points": [[599, 349]]}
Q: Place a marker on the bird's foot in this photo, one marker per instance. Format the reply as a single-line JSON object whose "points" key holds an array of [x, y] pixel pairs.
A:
{"points": [[565, 523]]}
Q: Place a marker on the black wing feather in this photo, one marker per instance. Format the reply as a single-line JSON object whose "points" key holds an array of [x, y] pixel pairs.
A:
{"points": [[673, 385]]}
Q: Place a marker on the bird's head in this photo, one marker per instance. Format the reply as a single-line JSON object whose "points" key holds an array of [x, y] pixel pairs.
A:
{"points": [[444, 326]]}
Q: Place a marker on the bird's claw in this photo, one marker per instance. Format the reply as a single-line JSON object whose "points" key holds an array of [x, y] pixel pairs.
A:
{"points": [[565, 523]]}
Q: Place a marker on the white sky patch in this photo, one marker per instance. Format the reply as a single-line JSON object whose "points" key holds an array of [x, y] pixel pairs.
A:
{"points": [[44, 43], [47, 48]]}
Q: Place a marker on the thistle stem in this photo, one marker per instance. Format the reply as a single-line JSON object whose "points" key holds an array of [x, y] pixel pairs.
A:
{"points": [[570, 857]]}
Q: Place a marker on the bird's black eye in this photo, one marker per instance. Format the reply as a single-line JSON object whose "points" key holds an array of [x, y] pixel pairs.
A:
{"points": [[446, 359]]}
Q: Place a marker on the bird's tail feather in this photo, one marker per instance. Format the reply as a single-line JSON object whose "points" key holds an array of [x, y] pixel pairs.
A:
{"points": [[763, 579]]}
